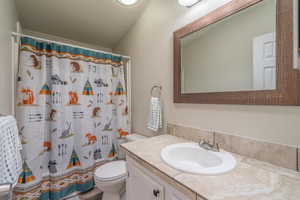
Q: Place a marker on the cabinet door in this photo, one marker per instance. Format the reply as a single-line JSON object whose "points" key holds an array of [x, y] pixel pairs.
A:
{"points": [[139, 186], [173, 194]]}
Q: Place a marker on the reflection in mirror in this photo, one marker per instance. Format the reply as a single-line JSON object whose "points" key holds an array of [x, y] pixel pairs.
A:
{"points": [[234, 54]]}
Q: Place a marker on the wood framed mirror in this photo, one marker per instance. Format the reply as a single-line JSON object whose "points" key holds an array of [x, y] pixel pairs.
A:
{"points": [[230, 56]]}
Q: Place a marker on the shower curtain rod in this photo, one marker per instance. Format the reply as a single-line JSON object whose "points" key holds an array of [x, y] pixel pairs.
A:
{"points": [[66, 44]]}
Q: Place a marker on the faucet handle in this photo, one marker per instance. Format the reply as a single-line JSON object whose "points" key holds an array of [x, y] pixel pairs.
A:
{"points": [[201, 141], [204, 141]]}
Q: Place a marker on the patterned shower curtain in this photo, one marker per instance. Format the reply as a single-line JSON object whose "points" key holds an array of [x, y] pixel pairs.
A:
{"points": [[71, 107]]}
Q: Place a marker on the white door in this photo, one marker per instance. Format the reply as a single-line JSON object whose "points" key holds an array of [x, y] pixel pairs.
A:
{"points": [[264, 62], [139, 186]]}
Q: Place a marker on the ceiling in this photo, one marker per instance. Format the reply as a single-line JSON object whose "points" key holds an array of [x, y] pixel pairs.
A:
{"points": [[98, 22]]}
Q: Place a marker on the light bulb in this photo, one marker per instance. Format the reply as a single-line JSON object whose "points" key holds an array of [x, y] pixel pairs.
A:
{"points": [[188, 3], [128, 2]]}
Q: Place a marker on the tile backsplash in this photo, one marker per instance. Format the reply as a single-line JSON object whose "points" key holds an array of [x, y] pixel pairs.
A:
{"points": [[277, 154]]}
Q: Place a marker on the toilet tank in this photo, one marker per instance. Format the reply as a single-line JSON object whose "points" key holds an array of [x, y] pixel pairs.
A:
{"points": [[128, 138], [134, 137]]}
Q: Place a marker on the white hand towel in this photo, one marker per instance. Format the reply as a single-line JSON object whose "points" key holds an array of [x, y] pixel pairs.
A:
{"points": [[10, 151], [155, 115]]}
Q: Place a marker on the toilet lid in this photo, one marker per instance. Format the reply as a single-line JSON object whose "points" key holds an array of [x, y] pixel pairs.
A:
{"points": [[111, 170]]}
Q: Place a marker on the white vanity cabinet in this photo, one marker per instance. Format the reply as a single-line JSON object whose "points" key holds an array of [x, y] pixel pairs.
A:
{"points": [[142, 184]]}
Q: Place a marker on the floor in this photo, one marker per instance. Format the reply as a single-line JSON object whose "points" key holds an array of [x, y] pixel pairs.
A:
{"points": [[123, 197]]}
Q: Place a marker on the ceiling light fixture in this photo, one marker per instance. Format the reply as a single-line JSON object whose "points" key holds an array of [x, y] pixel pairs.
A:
{"points": [[128, 2], [188, 3]]}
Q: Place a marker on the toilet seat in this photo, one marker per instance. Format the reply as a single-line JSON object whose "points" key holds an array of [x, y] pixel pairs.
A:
{"points": [[111, 171]]}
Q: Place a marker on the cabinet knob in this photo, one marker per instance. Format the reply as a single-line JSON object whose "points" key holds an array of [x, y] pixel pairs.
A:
{"points": [[156, 193]]}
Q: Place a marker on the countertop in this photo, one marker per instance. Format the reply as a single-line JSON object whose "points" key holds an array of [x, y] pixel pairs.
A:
{"points": [[250, 180]]}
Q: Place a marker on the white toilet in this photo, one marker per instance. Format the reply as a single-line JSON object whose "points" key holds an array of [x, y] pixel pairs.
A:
{"points": [[111, 177]]}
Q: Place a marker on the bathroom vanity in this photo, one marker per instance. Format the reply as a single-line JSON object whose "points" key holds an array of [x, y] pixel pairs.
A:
{"points": [[150, 178]]}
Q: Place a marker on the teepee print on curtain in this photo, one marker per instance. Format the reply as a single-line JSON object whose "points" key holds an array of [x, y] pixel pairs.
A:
{"points": [[87, 90], [74, 161], [45, 90], [69, 111], [120, 90], [26, 176]]}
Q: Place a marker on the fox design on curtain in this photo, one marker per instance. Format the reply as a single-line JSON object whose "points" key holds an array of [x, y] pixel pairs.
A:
{"points": [[69, 120]]}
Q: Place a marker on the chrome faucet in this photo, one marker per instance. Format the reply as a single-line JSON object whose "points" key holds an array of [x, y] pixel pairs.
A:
{"points": [[210, 147]]}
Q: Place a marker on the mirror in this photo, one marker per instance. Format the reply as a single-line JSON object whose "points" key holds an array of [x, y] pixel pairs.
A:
{"points": [[240, 53], [237, 53]]}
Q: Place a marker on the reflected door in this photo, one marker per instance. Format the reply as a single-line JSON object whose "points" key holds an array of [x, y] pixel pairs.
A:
{"points": [[264, 62]]}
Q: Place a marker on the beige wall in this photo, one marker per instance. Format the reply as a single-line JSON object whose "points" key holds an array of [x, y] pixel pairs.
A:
{"points": [[65, 40], [219, 57], [8, 20], [150, 43]]}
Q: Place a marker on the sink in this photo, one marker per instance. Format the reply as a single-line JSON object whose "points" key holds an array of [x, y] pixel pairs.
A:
{"points": [[191, 158]]}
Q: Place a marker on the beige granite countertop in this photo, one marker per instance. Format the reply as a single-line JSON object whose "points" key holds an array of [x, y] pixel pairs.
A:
{"points": [[250, 180]]}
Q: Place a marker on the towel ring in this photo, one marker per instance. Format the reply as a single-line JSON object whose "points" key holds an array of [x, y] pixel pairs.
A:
{"points": [[156, 87]]}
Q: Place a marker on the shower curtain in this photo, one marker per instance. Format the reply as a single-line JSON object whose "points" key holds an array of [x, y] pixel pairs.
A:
{"points": [[71, 107]]}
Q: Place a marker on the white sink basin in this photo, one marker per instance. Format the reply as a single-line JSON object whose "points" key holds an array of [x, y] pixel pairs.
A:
{"points": [[191, 158]]}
